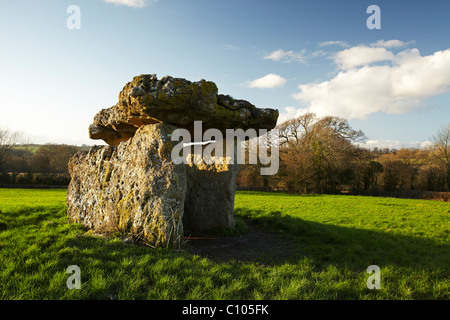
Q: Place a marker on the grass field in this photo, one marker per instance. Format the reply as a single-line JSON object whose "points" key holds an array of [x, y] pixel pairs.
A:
{"points": [[335, 239]]}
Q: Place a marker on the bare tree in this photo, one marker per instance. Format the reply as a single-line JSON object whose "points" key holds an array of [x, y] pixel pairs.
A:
{"points": [[52, 158], [340, 128], [317, 153], [296, 129], [8, 139], [442, 151]]}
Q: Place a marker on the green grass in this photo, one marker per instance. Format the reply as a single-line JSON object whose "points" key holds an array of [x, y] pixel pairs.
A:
{"points": [[408, 239], [335, 238]]}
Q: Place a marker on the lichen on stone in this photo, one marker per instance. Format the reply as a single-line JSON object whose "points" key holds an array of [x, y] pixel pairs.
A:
{"points": [[116, 196], [179, 102]]}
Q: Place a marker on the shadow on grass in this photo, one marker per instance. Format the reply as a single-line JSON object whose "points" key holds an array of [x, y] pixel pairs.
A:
{"points": [[25, 215], [351, 247], [329, 260], [39, 245], [112, 269], [281, 239]]}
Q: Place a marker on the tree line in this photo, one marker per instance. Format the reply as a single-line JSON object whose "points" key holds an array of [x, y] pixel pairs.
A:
{"points": [[317, 155], [323, 155], [26, 163]]}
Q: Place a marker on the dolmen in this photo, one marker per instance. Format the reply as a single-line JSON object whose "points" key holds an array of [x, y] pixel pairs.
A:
{"points": [[135, 186]]}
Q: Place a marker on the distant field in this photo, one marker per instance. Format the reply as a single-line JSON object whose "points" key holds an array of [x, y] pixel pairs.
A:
{"points": [[335, 239]]}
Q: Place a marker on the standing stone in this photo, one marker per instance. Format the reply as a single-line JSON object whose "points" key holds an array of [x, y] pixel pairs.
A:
{"points": [[210, 195], [133, 188]]}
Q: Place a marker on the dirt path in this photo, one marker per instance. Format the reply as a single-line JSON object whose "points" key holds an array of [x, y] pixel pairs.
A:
{"points": [[256, 245]]}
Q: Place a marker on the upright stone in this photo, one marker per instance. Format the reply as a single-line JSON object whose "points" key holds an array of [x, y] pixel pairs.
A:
{"points": [[133, 188], [210, 195]]}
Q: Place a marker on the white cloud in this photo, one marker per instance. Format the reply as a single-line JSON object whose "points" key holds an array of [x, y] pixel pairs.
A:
{"points": [[390, 43], [269, 81], [131, 3], [318, 53], [419, 77], [231, 47], [287, 56], [361, 55], [395, 144], [333, 43], [362, 87], [290, 113]]}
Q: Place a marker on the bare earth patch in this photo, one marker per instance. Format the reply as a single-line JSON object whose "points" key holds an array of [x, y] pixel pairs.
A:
{"points": [[256, 245]]}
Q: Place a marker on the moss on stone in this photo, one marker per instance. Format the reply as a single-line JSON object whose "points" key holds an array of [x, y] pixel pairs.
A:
{"points": [[107, 174]]}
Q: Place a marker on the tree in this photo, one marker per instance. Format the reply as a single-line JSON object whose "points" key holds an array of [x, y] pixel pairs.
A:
{"points": [[317, 153], [369, 173], [392, 168], [52, 158], [442, 151], [8, 139]]}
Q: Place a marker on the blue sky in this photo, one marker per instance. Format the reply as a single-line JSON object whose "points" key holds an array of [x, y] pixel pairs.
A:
{"points": [[295, 56]]}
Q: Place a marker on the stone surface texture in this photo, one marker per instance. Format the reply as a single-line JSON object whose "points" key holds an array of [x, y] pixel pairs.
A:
{"points": [[179, 102], [133, 188], [210, 195]]}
